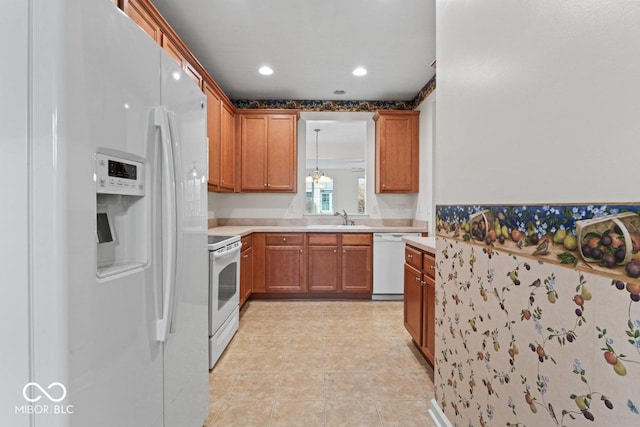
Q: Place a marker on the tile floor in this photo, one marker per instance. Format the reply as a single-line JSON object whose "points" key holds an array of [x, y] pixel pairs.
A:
{"points": [[321, 363]]}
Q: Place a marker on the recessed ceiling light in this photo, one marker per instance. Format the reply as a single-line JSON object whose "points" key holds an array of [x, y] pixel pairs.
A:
{"points": [[360, 71], [265, 70], [339, 92]]}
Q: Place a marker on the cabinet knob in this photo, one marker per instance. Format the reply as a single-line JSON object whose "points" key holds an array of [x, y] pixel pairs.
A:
{"points": [[335, 251], [284, 239], [417, 279], [222, 181], [433, 267], [344, 252], [384, 186], [300, 250], [268, 185], [409, 256], [265, 185], [422, 283], [245, 256]]}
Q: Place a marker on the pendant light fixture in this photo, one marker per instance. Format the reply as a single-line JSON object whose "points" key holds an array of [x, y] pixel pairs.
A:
{"points": [[317, 176]]}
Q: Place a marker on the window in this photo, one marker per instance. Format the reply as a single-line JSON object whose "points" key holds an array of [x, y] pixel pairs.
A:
{"points": [[319, 197]]}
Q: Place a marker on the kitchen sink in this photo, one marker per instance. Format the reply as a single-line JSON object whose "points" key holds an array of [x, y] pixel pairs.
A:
{"points": [[338, 227]]}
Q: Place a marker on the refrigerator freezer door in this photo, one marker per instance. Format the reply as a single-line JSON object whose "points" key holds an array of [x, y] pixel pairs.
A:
{"points": [[186, 385], [14, 184]]}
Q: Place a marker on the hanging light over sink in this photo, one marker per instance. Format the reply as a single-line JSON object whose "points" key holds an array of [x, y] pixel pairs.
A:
{"points": [[317, 176]]}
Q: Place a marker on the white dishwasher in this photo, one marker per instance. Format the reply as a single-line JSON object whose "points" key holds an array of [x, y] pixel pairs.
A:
{"points": [[388, 265]]}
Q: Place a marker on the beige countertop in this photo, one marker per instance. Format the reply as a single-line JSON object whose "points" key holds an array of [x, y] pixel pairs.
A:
{"points": [[425, 243], [243, 230]]}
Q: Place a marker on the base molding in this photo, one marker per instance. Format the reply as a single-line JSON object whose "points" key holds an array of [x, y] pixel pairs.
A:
{"points": [[437, 416]]}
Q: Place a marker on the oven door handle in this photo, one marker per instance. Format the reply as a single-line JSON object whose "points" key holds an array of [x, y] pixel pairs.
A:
{"points": [[218, 255]]}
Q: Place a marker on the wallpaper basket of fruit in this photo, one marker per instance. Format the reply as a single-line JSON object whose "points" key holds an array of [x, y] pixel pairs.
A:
{"points": [[480, 223], [610, 240]]}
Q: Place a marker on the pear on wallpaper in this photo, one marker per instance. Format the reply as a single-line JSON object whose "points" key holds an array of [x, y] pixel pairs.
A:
{"points": [[543, 247]]}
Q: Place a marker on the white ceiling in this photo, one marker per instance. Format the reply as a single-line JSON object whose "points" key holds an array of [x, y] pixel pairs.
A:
{"points": [[312, 45]]}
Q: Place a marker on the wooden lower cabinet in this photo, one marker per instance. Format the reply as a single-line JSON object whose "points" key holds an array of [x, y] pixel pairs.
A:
{"points": [[284, 269], [413, 302], [320, 264], [246, 269], [356, 268], [340, 262], [279, 263], [323, 268], [429, 318], [419, 300]]}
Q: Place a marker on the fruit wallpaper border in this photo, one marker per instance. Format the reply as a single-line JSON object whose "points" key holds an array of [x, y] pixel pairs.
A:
{"points": [[600, 239], [338, 105]]}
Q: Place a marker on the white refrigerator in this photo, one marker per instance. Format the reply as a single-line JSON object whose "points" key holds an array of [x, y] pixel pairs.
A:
{"points": [[103, 317]]}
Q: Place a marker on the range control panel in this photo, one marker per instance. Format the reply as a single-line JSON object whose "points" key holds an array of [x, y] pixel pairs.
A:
{"points": [[115, 175]]}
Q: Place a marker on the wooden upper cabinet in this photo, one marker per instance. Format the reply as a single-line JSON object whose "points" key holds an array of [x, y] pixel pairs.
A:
{"points": [[213, 134], [221, 131], [144, 13], [268, 141], [194, 74], [253, 142], [397, 151], [227, 147], [282, 145], [170, 47], [139, 14]]}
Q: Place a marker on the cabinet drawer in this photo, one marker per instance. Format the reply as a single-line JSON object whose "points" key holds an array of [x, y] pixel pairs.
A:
{"points": [[285, 239], [323, 239], [413, 257], [246, 242], [355, 239], [429, 265]]}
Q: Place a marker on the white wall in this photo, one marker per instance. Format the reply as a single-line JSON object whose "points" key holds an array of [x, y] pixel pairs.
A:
{"points": [[249, 205], [425, 204], [538, 101]]}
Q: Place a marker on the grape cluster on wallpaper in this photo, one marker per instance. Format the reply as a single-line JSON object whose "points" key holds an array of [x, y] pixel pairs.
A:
{"points": [[537, 314]]}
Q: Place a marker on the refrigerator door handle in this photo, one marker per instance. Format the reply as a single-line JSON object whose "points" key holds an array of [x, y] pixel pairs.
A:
{"points": [[169, 232], [179, 204]]}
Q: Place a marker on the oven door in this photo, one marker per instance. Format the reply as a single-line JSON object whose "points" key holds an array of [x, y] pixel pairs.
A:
{"points": [[224, 280]]}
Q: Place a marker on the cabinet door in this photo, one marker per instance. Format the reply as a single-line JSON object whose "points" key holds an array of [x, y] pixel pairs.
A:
{"points": [[284, 269], [259, 248], [356, 268], [213, 133], [227, 148], [429, 318], [193, 73], [397, 162], [246, 274], [413, 257], [172, 49], [323, 268], [413, 303], [281, 155], [253, 148], [138, 14]]}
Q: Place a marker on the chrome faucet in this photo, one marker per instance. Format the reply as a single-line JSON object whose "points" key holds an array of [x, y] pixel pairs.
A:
{"points": [[345, 217]]}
